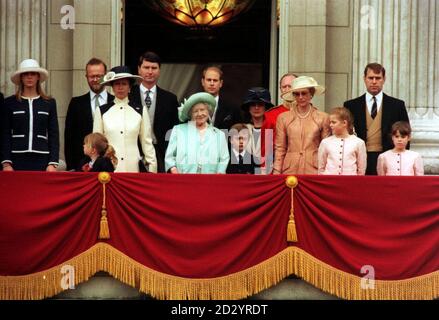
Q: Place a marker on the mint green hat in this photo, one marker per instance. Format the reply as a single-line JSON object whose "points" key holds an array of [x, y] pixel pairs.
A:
{"points": [[187, 104]]}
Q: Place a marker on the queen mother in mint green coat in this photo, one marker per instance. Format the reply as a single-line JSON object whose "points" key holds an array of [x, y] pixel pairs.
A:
{"points": [[197, 146]]}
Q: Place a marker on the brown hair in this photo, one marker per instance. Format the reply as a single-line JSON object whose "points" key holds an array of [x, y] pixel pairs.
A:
{"points": [[100, 143], [376, 68], [403, 127], [344, 114], [216, 68], [96, 62]]}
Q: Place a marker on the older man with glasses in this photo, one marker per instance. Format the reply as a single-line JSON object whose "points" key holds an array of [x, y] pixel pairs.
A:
{"points": [[80, 114]]}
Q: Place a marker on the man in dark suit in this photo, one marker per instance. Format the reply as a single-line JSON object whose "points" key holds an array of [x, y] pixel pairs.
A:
{"points": [[80, 113], [162, 105], [374, 114], [224, 115]]}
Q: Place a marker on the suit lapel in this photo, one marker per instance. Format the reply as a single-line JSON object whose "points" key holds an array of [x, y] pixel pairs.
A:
{"points": [[135, 95], [385, 111], [86, 102], [219, 114]]}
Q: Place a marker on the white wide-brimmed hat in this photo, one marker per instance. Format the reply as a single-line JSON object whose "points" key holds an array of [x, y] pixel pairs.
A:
{"points": [[29, 65], [302, 82], [200, 97], [120, 72]]}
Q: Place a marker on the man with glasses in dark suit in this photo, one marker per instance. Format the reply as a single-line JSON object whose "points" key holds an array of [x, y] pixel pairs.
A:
{"points": [[80, 114]]}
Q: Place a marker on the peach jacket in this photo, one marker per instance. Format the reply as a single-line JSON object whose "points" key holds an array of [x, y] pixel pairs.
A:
{"points": [[297, 141]]}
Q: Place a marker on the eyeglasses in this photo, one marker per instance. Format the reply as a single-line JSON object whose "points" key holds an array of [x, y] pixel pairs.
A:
{"points": [[301, 93], [95, 77]]}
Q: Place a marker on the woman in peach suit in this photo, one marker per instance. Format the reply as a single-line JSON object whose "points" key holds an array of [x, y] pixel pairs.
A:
{"points": [[300, 130]]}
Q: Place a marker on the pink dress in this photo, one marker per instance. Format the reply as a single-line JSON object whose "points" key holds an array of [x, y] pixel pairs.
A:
{"points": [[342, 156], [406, 163]]}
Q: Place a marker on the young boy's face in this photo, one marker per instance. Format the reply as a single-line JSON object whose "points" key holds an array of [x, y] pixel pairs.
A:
{"points": [[399, 141], [239, 141]]}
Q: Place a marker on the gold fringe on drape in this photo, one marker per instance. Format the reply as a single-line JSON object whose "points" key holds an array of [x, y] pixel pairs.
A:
{"points": [[292, 260]]}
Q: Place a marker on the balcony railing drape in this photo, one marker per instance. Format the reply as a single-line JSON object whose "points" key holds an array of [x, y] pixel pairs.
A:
{"points": [[220, 236]]}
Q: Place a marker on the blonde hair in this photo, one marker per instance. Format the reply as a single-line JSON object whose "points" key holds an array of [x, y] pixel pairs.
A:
{"points": [[40, 90], [100, 143], [344, 114]]}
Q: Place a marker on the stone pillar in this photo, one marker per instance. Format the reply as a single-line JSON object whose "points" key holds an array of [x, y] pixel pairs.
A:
{"points": [[96, 33], [32, 29], [315, 40], [23, 34], [404, 37]]}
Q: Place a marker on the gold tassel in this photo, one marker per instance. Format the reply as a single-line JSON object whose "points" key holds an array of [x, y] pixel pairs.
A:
{"points": [[291, 183], [291, 229], [104, 230]]}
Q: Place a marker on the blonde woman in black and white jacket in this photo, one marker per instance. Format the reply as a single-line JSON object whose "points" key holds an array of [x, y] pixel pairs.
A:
{"points": [[30, 133]]}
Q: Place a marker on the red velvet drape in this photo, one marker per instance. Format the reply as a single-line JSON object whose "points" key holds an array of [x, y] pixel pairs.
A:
{"points": [[204, 226], [198, 226], [390, 223], [46, 219]]}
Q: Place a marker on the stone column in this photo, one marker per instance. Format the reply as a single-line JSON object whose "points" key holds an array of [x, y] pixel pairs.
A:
{"points": [[315, 40], [404, 37], [97, 33], [23, 33]]}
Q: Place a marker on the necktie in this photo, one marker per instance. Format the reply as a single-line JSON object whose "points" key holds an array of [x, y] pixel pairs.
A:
{"points": [[241, 159], [374, 108], [148, 99], [97, 101]]}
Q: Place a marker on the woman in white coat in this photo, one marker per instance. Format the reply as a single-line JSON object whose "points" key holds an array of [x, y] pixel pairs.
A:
{"points": [[125, 123]]}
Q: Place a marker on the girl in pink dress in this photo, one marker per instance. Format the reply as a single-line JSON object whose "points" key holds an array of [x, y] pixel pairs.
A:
{"points": [[399, 161], [342, 153]]}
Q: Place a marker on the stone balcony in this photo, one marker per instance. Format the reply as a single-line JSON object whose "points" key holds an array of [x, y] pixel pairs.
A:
{"points": [[103, 286]]}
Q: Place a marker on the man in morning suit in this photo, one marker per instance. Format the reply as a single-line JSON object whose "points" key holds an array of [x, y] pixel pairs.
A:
{"points": [[79, 119], [224, 115], [162, 105], [374, 114]]}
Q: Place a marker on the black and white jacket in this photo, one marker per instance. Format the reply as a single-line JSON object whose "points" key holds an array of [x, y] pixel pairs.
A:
{"points": [[30, 125]]}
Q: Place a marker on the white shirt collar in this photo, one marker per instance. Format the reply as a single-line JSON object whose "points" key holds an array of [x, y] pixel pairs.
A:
{"points": [[237, 154], [379, 97], [102, 95], [143, 89]]}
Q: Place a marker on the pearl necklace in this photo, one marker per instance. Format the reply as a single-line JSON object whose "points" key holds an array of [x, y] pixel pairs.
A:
{"points": [[304, 115]]}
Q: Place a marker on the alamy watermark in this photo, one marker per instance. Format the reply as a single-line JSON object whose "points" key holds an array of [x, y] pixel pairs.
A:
{"points": [[68, 278], [68, 20], [368, 19], [368, 280]]}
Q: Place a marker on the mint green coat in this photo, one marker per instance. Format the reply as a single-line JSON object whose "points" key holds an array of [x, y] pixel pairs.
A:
{"points": [[189, 154]]}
